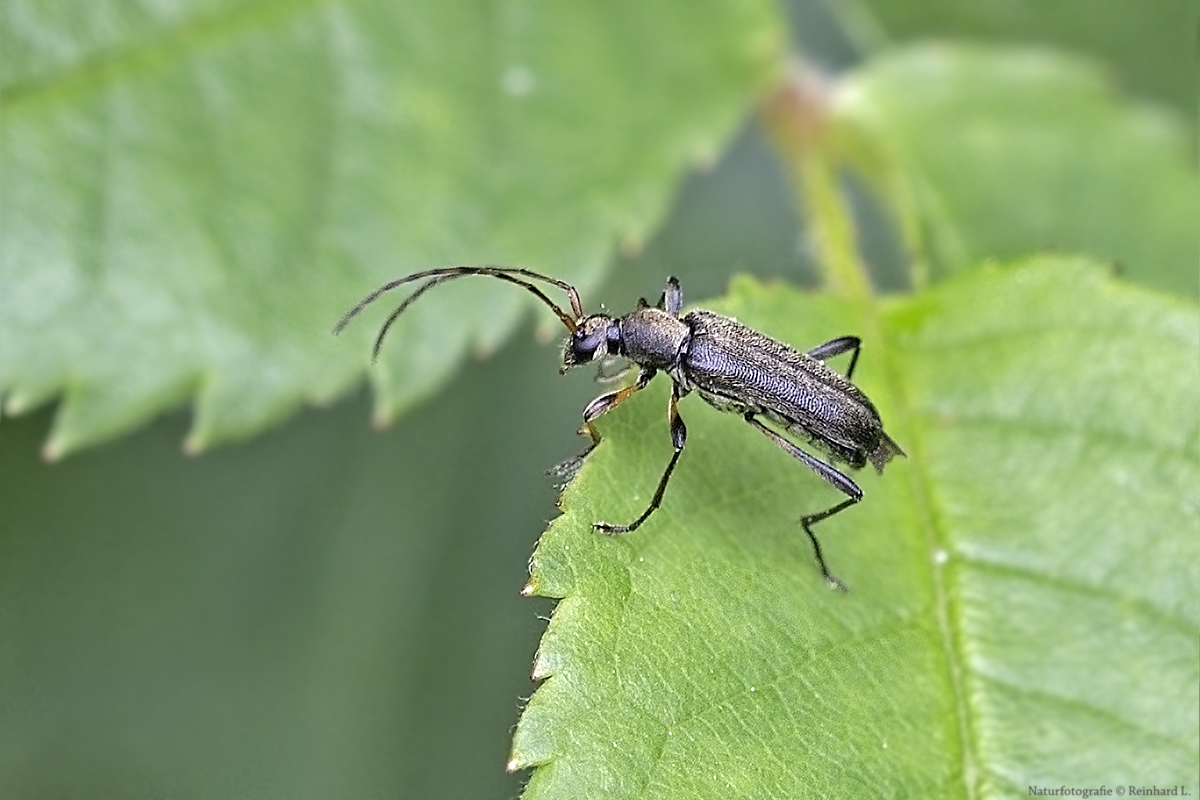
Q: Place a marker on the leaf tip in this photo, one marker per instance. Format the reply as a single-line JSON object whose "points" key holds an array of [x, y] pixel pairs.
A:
{"points": [[12, 407], [382, 416], [705, 156], [631, 245], [53, 450]]}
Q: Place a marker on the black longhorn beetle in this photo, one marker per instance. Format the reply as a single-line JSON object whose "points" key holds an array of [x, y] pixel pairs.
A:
{"points": [[734, 368]]}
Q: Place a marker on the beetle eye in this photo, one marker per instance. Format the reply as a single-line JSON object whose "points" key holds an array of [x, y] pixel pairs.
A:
{"points": [[593, 337], [584, 346]]}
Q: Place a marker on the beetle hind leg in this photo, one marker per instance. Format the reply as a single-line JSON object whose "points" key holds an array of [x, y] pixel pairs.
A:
{"points": [[835, 347], [805, 522], [834, 477]]}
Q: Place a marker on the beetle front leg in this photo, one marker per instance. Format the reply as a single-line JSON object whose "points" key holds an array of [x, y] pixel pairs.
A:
{"points": [[601, 405], [605, 377], [678, 440], [607, 402], [838, 480]]}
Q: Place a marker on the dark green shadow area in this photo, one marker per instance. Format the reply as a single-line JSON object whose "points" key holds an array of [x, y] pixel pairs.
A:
{"points": [[326, 611]]}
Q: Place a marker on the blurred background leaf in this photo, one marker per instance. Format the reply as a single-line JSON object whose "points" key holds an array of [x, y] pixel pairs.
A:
{"points": [[990, 153], [193, 194], [1150, 53], [326, 611], [1010, 625]]}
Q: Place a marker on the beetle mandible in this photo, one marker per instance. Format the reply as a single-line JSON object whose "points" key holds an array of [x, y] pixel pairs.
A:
{"points": [[733, 367]]}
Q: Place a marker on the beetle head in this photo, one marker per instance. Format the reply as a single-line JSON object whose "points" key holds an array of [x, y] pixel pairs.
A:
{"points": [[597, 335]]}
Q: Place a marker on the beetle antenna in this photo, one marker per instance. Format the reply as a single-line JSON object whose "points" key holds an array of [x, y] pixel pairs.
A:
{"points": [[440, 276]]}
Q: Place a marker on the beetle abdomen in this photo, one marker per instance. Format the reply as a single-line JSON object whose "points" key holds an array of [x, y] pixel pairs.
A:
{"points": [[737, 369]]}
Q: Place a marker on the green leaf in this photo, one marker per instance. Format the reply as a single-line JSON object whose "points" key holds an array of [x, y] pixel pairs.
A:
{"points": [[1024, 604], [191, 196], [991, 153], [1149, 47]]}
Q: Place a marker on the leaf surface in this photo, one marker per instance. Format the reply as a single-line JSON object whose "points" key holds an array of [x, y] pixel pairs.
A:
{"points": [[995, 153], [1113, 31], [193, 193], [1024, 585]]}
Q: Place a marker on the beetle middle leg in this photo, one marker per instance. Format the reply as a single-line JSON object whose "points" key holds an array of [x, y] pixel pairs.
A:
{"points": [[671, 299], [678, 440], [835, 478]]}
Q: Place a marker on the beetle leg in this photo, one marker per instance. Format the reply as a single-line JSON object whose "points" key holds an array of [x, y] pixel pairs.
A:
{"points": [[607, 402], [835, 347], [835, 478], [678, 440], [601, 405], [671, 299], [605, 377]]}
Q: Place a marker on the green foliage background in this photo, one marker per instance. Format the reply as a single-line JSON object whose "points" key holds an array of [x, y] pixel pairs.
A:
{"points": [[191, 194]]}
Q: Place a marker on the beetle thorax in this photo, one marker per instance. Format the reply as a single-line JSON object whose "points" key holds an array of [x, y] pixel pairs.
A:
{"points": [[653, 338]]}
